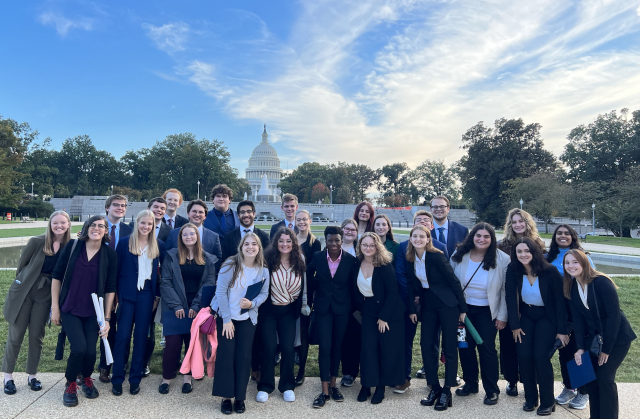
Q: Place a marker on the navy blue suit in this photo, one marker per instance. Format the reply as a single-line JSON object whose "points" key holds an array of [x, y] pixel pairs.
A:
{"points": [[456, 234], [135, 308], [210, 243], [213, 224]]}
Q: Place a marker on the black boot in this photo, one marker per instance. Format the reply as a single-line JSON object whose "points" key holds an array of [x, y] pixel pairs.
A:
{"points": [[378, 395]]}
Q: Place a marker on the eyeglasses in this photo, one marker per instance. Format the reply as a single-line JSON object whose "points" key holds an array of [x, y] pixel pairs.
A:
{"points": [[98, 226], [439, 207], [119, 205], [350, 230], [245, 212], [368, 246]]}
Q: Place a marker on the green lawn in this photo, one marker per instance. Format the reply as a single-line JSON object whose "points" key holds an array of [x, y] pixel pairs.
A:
{"points": [[29, 232], [629, 371]]}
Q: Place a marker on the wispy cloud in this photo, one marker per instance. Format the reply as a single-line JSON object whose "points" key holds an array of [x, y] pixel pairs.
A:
{"points": [[170, 37], [63, 24]]}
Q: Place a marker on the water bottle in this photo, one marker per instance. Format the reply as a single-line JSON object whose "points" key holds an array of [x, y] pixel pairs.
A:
{"points": [[462, 336]]}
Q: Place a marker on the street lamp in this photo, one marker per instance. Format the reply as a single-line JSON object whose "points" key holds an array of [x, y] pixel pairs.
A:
{"points": [[593, 221], [521, 202], [410, 199], [32, 189], [198, 189], [111, 189], [331, 194]]}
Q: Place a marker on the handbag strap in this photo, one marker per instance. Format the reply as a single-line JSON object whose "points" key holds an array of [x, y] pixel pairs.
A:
{"points": [[597, 308], [73, 246], [474, 274]]}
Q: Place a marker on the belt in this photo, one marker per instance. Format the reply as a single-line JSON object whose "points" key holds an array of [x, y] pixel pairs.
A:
{"points": [[43, 279]]}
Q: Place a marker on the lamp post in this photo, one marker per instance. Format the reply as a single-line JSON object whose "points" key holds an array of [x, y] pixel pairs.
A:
{"points": [[331, 194], [31, 189], [111, 189], [521, 202], [593, 220], [198, 189], [410, 199]]}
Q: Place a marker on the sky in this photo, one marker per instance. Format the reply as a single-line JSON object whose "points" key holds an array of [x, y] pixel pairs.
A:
{"points": [[373, 82]]}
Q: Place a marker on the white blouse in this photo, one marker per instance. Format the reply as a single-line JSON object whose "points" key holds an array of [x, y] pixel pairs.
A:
{"points": [[421, 270], [364, 285], [476, 292], [583, 294], [145, 266]]}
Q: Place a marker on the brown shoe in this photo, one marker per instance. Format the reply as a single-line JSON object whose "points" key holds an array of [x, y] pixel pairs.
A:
{"points": [[255, 376], [104, 376], [402, 387]]}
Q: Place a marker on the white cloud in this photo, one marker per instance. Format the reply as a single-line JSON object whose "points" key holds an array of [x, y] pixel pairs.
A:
{"points": [[170, 37], [63, 24]]}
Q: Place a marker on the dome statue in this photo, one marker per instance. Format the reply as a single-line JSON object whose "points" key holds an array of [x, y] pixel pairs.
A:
{"points": [[264, 171]]}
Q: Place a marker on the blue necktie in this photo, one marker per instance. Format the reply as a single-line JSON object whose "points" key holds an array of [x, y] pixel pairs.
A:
{"points": [[223, 223], [441, 238]]}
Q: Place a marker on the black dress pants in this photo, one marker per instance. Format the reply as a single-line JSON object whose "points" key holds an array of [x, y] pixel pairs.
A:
{"points": [[565, 355], [533, 354], [233, 360], [435, 316], [382, 354], [480, 317], [603, 392], [331, 330], [172, 351], [508, 355], [351, 348], [82, 333], [304, 344], [277, 323]]}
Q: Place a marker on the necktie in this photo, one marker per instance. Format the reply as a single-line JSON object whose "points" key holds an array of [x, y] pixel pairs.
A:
{"points": [[112, 242], [170, 222], [246, 230], [441, 238], [290, 225], [223, 223]]}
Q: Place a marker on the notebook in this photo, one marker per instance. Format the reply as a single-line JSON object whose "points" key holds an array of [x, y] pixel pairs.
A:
{"points": [[171, 325], [252, 292], [583, 374]]}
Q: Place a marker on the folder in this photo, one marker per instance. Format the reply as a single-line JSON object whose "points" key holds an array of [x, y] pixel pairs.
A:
{"points": [[583, 374], [171, 325], [207, 295], [252, 292]]}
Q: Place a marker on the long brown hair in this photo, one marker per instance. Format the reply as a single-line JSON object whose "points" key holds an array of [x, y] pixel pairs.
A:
{"points": [[272, 253], [236, 261], [372, 214], [389, 234], [588, 273], [183, 252], [411, 251], [50, 236], [382, 256]]}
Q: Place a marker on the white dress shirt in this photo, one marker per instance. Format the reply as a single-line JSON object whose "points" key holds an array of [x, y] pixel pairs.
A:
{"points": [[243, 231], [364, 285], [421, 270], [173, 220], [144, 267], [445, 232], [201, 232], [583, 294], [476, 292], [158, 228], [287, 222]]}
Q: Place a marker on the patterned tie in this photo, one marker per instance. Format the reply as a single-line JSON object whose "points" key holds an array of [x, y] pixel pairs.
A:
{"points": [[170, 222], [112, 242], [290, 225], [441, 238]]}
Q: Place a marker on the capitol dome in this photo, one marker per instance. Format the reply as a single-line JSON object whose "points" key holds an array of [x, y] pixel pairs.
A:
{"points": [[264, 161]]}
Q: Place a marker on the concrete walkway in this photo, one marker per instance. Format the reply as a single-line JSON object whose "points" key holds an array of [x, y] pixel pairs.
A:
{"points": [[200, 404], [35, 224]]}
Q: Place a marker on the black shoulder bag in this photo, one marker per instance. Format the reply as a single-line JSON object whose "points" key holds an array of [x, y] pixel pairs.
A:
{"points": [[471, 279], [596, 344]]}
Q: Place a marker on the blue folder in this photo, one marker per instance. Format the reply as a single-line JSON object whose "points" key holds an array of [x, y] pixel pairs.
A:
{"points": [[171, 325], [583, 374], [207, 295], [252, 292]]}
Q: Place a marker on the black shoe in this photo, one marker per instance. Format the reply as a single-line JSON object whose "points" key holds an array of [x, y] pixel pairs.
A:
{"points": [[299, 381], [365, 393], [164, 388], [116, 389], [467, 389], [458, 381], [226, 407], [546, 411], [431, 398], [444, 401], [421, 373], [239, 407], [347, 381], [146, 372], [70, 396], [187, 388], [378, 395], [34, 384], [512, 389], [88, 389], [529, 407], [336, 395], [278, 358], [10, 387], [320, 400], [134, 388], [490, 398]]}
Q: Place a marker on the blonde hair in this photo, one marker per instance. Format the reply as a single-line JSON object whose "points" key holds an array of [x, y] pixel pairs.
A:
{"points": [[183, 252], [588, 273], [411, 251], [152, 244], [236, 261], [310, 237], [382, 256], [50, 236], [531, 231]]}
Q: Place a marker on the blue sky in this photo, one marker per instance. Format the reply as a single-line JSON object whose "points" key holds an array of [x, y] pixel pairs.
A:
{"points": [[372, 82]]}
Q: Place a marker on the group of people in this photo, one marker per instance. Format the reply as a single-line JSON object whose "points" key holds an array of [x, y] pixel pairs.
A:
{"points": [[269, 296]]}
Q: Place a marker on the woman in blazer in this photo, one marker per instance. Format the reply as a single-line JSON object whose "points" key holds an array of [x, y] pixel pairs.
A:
{"points": [[237, 319], [442, 304], [382, 227], [185, 271], [382, 354], [86, 266], [280, 312], [28, 301], [596, 310], [139, 256], [309, 245], [481, 269], [537, 317]]}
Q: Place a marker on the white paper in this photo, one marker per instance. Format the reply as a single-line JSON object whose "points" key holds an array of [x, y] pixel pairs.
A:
{"points": [[99, 307]]}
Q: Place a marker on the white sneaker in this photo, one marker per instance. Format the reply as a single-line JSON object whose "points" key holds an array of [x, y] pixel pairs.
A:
{"points": [[262, 397], [579, 402], [566, 396], [289, 396]]}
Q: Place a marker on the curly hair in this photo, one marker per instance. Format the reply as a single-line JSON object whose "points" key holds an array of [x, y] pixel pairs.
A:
{"points": [[382, 256], [554, 249], [272, 253], [509, 239], [372, 214], [538, 262], [467, 245]]}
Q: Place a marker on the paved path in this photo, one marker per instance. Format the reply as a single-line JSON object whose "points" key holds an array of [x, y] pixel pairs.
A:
{"points": [[34, 224], [200, 404]]}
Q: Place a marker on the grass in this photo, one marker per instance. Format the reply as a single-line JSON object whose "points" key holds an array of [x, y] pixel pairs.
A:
{"points": [[29, 232], [629, 371]]}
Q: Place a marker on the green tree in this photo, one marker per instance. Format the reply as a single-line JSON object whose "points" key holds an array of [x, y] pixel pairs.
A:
{"points": [[494, 156], [362, 179], [619, 211], [12, 150], [301, 180], [578, 198], [433, 178]]}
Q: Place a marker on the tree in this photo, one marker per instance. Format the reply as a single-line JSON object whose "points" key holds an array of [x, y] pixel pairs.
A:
{"points": [[578, 198], [433, 178], [619, 211], [362, 178], [495, 156], [301, 180], [319, 192], [12, 150]]}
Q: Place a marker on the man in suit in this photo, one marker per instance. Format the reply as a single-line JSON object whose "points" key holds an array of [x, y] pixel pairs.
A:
{"points": [[246, 214], [116, 209], [158, 207], [221, 219], [174, 200], [289, 206], [444, 230]]}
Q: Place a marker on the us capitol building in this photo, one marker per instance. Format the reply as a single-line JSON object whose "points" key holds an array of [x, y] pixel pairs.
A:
{"points": [[264, 172]]}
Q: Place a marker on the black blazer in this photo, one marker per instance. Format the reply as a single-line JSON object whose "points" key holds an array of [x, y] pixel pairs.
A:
{"points": [[442, 281], [616, 328], [332, 293], [180, 221], [385, 292], [456, 232], [232, 240], [308, 252], [550, 283], [277, 226]]}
